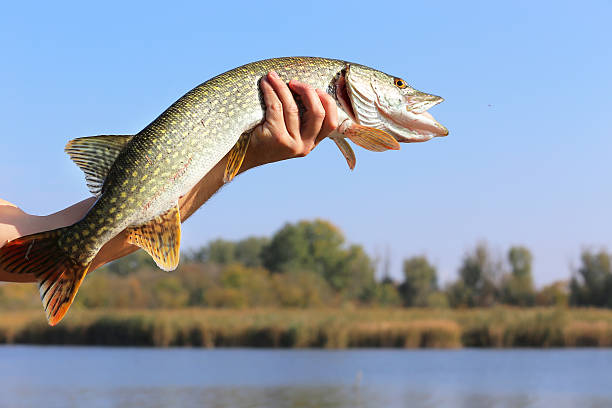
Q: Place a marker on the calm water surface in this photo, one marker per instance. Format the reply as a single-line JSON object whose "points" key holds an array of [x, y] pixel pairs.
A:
{"points": [[135, 377]]}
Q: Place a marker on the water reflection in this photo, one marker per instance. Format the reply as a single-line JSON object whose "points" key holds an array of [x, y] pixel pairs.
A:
{"points": [[271, 397], [124, 377]]}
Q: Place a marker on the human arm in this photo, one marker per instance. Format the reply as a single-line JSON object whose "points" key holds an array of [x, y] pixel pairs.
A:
{"points": [[283, 135]]}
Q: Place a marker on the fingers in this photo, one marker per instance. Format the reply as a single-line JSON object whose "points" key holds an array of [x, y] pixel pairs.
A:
{"points": [[314, 114], [283, 134], [330, 123], [289, 108], [274, 108], [321, 116]]}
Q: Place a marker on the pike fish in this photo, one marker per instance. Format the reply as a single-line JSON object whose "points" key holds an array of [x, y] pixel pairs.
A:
{"points": [[139, 178]]}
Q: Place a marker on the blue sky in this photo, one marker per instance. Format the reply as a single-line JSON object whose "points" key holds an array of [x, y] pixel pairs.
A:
{"points": [[527, 88]]}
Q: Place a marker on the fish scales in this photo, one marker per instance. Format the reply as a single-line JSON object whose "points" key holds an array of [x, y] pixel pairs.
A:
{"points": [[169, 156]]}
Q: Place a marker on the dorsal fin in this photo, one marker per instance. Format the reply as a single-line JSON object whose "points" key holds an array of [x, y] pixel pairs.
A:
{"points": [[161, 238], [95, 155]]}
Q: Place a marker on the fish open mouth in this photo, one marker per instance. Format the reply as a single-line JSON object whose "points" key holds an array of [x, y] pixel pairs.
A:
{"points": [[414, 124], [414, 127], [417, 118]]}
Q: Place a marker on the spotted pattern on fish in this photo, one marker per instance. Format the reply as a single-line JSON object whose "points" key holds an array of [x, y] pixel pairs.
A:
{"points": [[177, 149]]}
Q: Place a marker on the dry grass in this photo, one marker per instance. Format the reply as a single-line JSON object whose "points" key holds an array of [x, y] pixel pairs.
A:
{"points": [[405, 334], [588, 334], [326, 328]]}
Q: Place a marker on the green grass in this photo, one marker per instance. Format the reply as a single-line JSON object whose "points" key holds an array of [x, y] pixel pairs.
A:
{"points": [[325, 328]]}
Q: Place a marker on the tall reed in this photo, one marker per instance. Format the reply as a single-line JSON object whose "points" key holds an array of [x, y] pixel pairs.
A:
{"points": [[324, 328]]}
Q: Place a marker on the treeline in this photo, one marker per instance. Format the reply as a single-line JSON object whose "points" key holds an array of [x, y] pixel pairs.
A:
{"points": [[309, 264]]}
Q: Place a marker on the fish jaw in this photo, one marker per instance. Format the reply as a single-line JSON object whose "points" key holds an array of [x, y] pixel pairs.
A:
{"points": [[406, 117], [419, 102], [409, 127], [376, 101]]}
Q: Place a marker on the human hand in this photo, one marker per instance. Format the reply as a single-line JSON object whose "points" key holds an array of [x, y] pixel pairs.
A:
{"points": [[284, 135]]}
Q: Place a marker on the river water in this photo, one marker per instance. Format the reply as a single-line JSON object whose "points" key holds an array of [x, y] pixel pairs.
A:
{"points": [[34, 376]]}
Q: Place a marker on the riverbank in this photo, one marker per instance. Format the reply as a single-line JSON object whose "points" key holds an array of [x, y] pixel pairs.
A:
{"points": [[319, 328]]}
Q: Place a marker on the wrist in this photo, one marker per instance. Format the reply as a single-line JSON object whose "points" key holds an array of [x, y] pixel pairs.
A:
{"points": [[247, 164], [254, 156]]}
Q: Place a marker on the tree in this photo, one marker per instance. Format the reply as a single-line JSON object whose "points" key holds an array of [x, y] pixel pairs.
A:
{"points": [[253, 284], [386, 293], [477, 284], [315, 246], [555, 294], [517, 287], [218, 251], [591, 283], [131, 263], [198, 279], [420, 281], [520, 261], [170, 293], [318, 246], [248, 251], [223, 252], [301, 289], [354, 276]]}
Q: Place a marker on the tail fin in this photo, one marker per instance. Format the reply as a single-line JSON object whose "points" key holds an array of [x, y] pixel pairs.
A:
{"points": [[58, 276]]}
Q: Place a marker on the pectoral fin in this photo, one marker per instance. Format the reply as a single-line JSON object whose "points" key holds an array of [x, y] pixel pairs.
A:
{"points": [[369, 138], [236, 156], [161, 238], [346, 150]]}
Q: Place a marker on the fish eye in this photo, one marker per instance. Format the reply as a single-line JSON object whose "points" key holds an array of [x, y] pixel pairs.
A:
{"points": [[400, 83]]}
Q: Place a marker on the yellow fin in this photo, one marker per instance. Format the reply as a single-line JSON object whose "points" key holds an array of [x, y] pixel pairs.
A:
{"points": [[236, 156], [58, 276], [372, 139], [58, 289], [161, 238], [346, 150], [95, 155]]}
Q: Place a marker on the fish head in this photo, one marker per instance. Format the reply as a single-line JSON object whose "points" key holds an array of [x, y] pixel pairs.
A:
{"points": [[375, 99]]}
